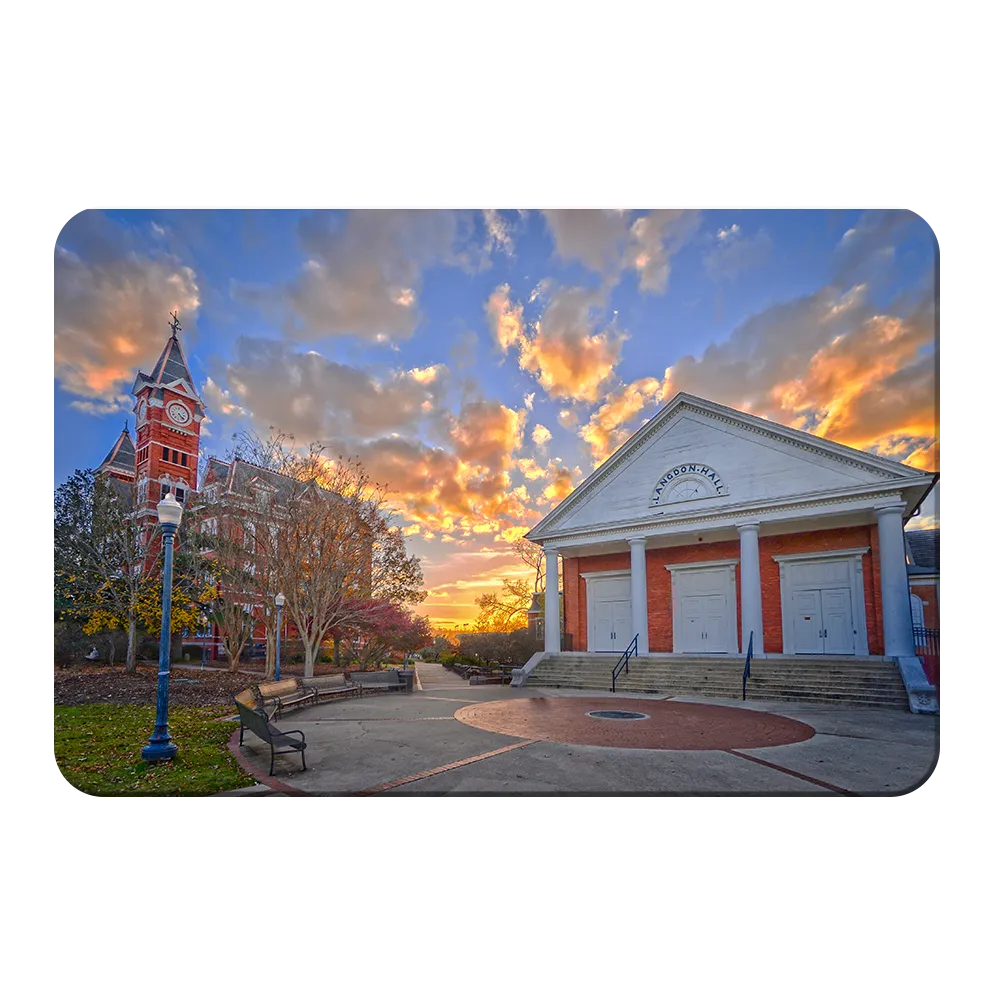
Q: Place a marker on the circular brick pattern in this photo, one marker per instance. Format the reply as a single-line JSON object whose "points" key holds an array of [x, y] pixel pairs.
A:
{"points": [[672, 725]]}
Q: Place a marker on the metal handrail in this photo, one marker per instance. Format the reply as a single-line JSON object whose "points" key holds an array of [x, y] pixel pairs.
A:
{"points": [[746, 667], [623, 660]]}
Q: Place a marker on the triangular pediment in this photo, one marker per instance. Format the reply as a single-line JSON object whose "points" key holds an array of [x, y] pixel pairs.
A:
{"points": [[697, 456]]}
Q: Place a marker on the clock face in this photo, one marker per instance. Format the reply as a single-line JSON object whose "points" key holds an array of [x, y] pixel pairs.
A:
{"points": [[142, 410], [178, 413]]}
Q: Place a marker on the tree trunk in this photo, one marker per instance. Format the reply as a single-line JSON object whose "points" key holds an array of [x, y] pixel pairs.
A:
{"points": [[130, 649], [336, 654], [310, 649]]}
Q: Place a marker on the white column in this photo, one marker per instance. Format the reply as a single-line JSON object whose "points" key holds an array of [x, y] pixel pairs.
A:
{"points": [[752, 616], [640, 609], [896, 624], [552, 629]]}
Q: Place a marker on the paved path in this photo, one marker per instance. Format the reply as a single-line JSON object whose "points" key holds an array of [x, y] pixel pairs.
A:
{"points": [[414, 744], [433, 675]]}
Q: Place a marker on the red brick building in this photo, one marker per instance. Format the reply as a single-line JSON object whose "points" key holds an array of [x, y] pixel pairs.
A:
{"points": [[710, 524], [165, 458]]}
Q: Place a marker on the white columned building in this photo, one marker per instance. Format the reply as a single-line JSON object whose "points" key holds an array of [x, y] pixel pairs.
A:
{"points": [[752, 608], [552, 623], [640, 610], [653, 539], [897, 624]]}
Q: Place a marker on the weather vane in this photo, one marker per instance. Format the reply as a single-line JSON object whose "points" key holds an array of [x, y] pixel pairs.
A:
{"points": [[176, 325]]}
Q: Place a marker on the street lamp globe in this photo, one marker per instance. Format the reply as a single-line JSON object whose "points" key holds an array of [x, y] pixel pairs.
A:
{"points": [[169, 511], [279, 601]]}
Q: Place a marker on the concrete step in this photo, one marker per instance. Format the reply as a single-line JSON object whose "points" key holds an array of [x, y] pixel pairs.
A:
{"points": [[808, 697], [733, 684], [819, 680]]}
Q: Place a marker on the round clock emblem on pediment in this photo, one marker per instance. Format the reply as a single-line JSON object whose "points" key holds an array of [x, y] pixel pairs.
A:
{"points": [[179, 413]]}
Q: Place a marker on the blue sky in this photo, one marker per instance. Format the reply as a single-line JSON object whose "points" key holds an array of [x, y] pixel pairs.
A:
{"points": [[483, 362]]}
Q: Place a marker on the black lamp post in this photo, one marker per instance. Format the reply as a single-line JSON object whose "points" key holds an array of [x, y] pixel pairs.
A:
{"points": [[160, 747]]}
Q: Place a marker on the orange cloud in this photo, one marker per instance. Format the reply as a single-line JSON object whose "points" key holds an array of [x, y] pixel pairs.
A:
{"points": [[562, 482], [829, 364], [506, 318], [112, 306], [529, 468], [456, 579], [563, 351], [606, 430], [541, 436], [487, 433]]}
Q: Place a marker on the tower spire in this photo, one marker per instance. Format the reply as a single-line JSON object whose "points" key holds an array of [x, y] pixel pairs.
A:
{"points": [[175, 325]]}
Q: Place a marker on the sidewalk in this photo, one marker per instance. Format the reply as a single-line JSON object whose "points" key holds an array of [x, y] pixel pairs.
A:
{"points": [[414, 744]]}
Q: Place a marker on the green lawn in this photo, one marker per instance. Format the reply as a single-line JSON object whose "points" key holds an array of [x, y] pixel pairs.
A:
{"points": [[98, 747]]}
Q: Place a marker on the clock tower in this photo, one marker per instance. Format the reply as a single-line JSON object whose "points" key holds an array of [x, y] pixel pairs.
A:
{"points": [[168, 415]]}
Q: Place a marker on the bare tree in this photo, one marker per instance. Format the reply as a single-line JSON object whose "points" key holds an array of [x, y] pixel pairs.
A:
{"points": [[325, 541], [228, 572]]}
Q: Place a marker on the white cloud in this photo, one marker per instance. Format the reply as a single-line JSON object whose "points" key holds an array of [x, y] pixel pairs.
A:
{"points": [[112, 304]]}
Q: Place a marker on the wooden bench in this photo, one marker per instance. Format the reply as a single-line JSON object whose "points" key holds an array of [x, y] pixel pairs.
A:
{"points": [[257, 722], [275, 696], [378, 680], [331, 686]]}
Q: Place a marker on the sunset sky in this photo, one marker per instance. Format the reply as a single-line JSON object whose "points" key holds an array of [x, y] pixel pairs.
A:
{"points": [[482, 363]]}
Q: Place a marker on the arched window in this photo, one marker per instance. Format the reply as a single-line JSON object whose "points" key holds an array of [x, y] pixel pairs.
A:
{"points": [[916, 611]]}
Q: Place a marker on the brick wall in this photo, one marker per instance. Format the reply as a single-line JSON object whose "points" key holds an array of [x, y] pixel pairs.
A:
{"points": [[928, 592], [660, 598], [820, 541]]}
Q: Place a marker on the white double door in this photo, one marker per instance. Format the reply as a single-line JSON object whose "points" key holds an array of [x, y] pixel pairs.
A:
{"points": [[704, 624], [611, 614], [613, 625], [822, 620]]}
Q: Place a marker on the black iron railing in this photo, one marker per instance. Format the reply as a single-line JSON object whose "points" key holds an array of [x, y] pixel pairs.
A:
{"points": [[927, 646], [926, 640], [622, 664], [746, 666]]}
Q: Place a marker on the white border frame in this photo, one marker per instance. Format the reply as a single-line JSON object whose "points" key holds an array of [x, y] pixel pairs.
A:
{"points": [[678, 568], [856, 581], [605, 574]]}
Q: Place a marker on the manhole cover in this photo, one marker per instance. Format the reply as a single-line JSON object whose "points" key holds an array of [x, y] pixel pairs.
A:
{"points": [[613, 714]]}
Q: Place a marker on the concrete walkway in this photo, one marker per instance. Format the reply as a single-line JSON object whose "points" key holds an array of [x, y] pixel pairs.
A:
{"points": [[405, 744]]}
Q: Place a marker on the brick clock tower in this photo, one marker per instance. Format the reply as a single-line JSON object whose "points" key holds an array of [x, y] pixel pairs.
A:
{"points": [[168, 415]]}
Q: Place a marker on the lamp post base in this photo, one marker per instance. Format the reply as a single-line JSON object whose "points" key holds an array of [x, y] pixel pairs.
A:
{"points": [[158, 750]]}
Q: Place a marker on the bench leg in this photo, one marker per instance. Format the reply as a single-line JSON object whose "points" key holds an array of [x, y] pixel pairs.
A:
{"points": [[303, 760], [241, 734], [272, 760]]}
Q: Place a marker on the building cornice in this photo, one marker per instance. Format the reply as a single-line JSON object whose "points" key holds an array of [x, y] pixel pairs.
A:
{"points": [[601, 574], [762, 511], [903, 475], [824, 554], [708, 564]]}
